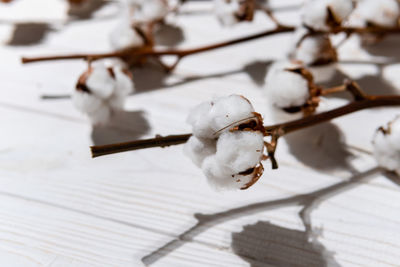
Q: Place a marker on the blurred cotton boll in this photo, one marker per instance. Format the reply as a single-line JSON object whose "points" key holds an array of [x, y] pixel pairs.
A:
{"points": [[386, 144], [384, 13], [102, 90]]}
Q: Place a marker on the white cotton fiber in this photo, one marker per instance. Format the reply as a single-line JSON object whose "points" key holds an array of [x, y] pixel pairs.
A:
{"points": [[285, 88], [198, 149], [240, 150], [222, 179], [386, 144], [315, 12], [230, 111], [383, 13]]}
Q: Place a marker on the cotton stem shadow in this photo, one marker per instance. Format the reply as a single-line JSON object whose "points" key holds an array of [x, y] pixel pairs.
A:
{"points": [[309, 201]]}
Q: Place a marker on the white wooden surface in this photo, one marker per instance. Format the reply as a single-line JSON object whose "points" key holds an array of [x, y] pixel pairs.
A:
{"points": [[59, 207]]}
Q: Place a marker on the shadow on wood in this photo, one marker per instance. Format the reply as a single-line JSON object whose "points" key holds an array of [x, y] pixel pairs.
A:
{"points": [[265, 244], [309, 202], [320, 147], [168, 35], [125, 126], [29, 33], [152, 77]]}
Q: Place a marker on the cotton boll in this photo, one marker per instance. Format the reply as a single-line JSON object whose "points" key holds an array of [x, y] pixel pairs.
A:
{"points": [[315, 13], [101, 90], [225, 144], [239, 151], [100, 82], [383, 13], [285, 88], [197, 149], [386, 144]]}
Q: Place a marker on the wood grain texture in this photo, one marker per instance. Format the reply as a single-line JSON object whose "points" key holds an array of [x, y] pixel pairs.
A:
{"points": [[59, 207]]}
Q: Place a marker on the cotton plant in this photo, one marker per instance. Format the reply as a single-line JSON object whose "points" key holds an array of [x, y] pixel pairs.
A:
{"points": [[227, 142], [101, 91], [386, 144]]}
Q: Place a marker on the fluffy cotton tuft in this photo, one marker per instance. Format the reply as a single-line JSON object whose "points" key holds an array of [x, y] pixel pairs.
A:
{"points": [[197, 149], [100, 91], [383, 13], [386, 144], [285, 88], [315, 12], [237, 152], [228, 156]]}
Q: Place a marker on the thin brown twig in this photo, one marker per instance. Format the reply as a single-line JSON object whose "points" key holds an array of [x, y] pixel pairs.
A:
{"points": [[283, 128], [143, 52]]}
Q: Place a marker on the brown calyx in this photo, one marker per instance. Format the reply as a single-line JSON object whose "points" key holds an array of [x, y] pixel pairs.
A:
{"points": [[314, 93], [257, 172], [332, 20], [246, 10], [81, 84]]}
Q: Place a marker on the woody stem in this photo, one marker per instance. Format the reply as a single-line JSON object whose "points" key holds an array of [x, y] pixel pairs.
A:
{"points": [[278, 129]]}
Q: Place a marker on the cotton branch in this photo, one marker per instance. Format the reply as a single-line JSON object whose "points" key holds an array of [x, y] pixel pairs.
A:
{"points": [[275, 131], [143, 52]]}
